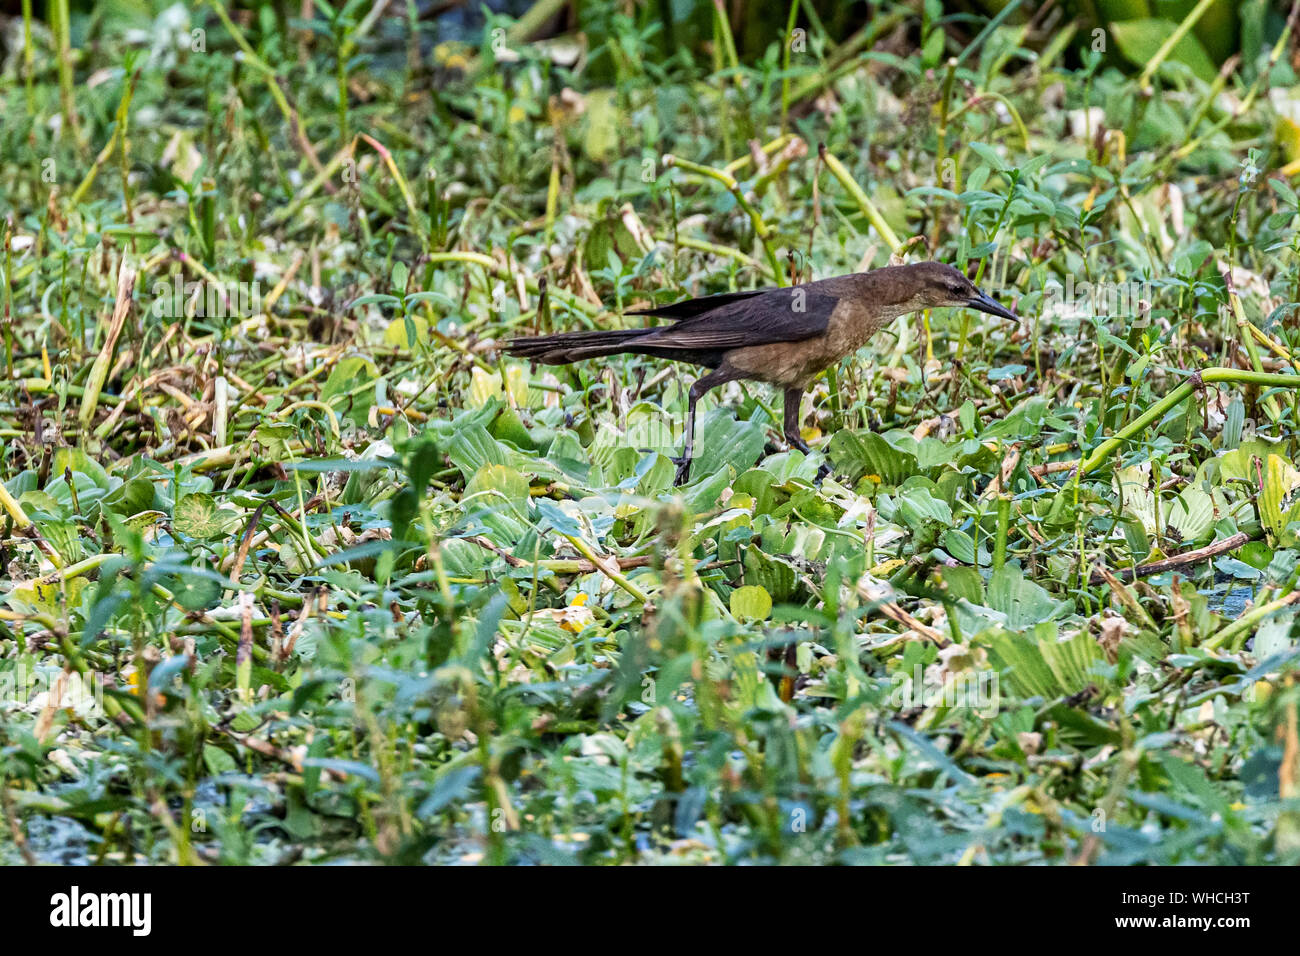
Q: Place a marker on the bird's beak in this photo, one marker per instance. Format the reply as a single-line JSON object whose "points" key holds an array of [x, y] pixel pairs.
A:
{"points": [[985, 304]]}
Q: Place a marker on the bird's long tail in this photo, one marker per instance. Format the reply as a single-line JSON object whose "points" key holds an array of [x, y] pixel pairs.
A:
{"points": [[571, 346]]}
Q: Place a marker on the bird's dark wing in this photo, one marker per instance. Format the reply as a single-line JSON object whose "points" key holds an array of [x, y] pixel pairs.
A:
{"points": [[689, 308], [773, 315]]}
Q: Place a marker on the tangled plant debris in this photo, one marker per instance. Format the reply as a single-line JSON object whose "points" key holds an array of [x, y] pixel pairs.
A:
{"points": [[298, 565]]}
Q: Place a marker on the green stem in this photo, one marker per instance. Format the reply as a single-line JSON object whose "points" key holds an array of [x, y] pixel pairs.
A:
{"points": [[1004, 525], [785, 65], [608, 567], [760, 227], [1172, 41], [1247, 622], [1160, 408], [855, 191], [728, 41]]}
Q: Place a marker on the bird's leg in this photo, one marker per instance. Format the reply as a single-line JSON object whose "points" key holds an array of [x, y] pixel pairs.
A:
{"points": [[793, 399], [697, 391], [684, 463]]}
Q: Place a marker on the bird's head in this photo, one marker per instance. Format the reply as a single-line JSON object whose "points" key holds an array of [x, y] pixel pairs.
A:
{"points": [[939, 286]]}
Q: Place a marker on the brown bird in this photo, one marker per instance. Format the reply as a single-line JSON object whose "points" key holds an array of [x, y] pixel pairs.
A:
{"points": [[782, 336]]}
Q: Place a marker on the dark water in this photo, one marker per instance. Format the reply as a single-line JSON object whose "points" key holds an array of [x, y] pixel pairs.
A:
{"points": [[1229, 599], [463, 23]]}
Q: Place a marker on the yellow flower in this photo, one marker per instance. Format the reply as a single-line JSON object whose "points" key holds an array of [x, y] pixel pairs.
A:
{"points": [[577, 615]]}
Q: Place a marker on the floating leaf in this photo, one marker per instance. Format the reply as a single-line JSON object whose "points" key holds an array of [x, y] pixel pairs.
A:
{"points": [[750, 603], [130, 497], [1022, 601], [1136, 498], [77, 461], [1044, 664], [499, 486], [1279, 503], [864, 453], [1192, 514], [483, 387], [722, 441], [198, 516], [473, 447], [349, 389]]}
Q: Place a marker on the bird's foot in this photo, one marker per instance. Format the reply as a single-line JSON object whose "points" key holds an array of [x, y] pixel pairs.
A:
{"points": [[823, 472], [683, 470], [683, 465]]}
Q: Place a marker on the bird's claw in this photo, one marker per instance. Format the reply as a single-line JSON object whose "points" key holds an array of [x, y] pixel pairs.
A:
{"points": [[683, 465], [795, 441]]}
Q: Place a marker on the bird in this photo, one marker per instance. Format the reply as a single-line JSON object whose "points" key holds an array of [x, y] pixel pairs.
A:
{"points": [[784, 336]]}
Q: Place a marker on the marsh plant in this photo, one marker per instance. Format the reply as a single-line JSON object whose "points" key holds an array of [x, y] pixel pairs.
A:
{"points": [[354, 584]]}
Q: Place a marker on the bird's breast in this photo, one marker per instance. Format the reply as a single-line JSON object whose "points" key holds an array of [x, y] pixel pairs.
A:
{"points": [[854, 322]]}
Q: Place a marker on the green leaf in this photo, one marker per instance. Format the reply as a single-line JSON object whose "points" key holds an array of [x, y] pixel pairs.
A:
{"points": [[218, 761], [1022, 601], [721, 441], [1279, 502], [345, 390], [130, 498], [197, 516], [1239, 464], [403, 333], [774, 576], [604, 125], [76, 460], [1139, 40], [989, 155], [451, 787], [864, 453], [498, 486], [473, 448], [507, 427], [750, 603], [920, 510], [1192, 514], [374, 299], [1043, 664], [959, 544], [63, 536], [962, 583]]}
